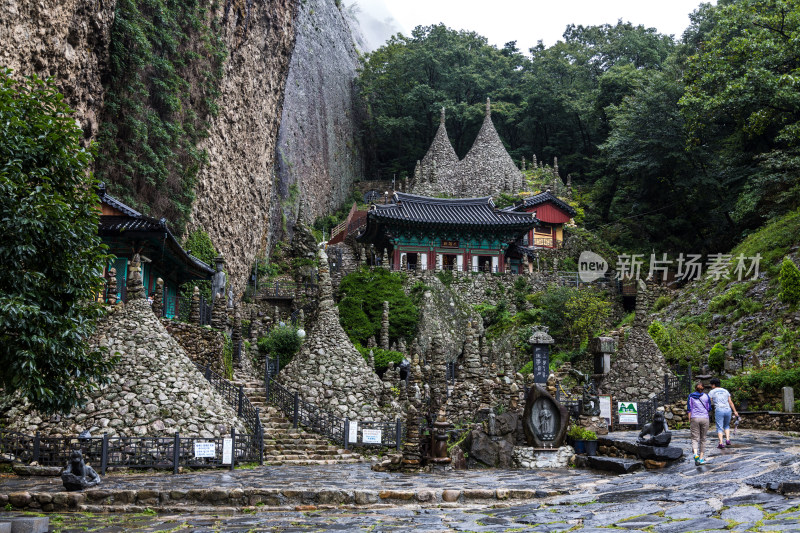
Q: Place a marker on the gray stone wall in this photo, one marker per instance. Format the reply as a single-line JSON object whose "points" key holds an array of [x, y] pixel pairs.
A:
{"points": [[638, 368], [202, 345], [154, 390]]}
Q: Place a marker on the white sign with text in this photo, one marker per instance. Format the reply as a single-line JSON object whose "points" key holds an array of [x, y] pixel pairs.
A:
{"points": [[352, 436], [371, 436], [204, 449], [227, 451]]}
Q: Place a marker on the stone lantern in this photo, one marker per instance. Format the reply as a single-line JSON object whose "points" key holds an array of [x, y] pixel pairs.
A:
{"points": [[541, 341], [602, 348]]}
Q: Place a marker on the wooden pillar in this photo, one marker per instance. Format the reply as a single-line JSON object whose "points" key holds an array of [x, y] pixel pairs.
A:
{"points": [[396, 258]]}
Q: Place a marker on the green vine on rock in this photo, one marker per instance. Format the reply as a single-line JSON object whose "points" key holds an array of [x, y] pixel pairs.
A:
{"points": [[166, 67]]}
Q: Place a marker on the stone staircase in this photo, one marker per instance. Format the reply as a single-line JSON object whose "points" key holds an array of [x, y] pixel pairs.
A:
{"points": [[285, 445]]}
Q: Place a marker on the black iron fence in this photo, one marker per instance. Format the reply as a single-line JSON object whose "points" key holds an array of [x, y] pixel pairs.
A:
{"points": [[676, 388], [235, 397], [133, 452], [314, 418]]}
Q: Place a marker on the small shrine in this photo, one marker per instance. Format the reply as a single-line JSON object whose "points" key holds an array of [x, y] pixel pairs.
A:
{"points": [[127, 232], [426, 233]]}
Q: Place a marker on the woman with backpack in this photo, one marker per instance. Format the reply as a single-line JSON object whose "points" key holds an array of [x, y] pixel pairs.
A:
{"points": [[697, 406]]}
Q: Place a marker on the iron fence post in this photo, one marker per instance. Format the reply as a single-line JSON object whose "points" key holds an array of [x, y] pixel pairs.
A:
{"points": [[233, 448], [346, 433], [176, 453], [266, 379], [36, 446], [104, 455], [666, 388], [398, 434], [208, 372], [296, 415], [260, 437], [241, 400]]}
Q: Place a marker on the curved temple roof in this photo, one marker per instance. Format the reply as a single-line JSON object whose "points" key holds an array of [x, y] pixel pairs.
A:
{"points": [[414, 210]]}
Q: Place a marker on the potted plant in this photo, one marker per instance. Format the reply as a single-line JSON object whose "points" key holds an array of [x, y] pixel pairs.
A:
{"points": [[591, 442], [583, 440], [575, 438]]}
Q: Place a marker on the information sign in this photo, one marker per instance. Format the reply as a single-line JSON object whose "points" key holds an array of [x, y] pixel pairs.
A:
{"points": [[605, 408], [352, 435], [371, 436], [627, 412], [227, 451], [204, 449]]}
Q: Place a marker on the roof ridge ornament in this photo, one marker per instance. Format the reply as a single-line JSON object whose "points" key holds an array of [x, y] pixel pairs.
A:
{"points": [[488, 107], [441, 118]]}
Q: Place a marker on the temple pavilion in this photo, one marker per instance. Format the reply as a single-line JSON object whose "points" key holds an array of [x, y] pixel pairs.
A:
{"points": [[422, 233], [552, 214], [126, 232]]}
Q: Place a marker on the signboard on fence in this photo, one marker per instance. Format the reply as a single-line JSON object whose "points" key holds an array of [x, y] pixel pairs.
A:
{"points": [[605, 408], [371, 436], [204, 449], [352, 436], [227, 451], [627, 412]]}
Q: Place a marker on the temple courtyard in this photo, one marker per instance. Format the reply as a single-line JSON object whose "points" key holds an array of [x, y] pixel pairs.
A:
{"points": [[737, 490]]}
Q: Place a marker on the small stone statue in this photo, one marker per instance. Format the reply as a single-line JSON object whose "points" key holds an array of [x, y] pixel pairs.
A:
{"points": [[230, 298], [219, 280], [655, 433], [78, 475]]}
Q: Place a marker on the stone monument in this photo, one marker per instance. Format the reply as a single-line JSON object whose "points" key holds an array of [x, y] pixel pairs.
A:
{"points": [[544, 420], [78, 475]]}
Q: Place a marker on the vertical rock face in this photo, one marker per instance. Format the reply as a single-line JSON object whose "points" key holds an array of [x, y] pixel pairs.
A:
{"points": [[318, 152], [235, 187], [65, 39]]}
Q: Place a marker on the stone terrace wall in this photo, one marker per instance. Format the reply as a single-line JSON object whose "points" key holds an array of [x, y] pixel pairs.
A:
{"points": [[202, 345], [154, 390], [637, 371]]}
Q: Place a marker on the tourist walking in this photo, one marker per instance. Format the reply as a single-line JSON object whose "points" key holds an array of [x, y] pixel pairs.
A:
{"points": [[723, 408], [698, 405]]}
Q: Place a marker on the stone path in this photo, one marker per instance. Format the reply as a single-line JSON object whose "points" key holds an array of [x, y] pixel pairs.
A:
{"points": [[726, 494]]}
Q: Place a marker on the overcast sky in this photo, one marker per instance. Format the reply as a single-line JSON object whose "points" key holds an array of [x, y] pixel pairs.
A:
{"points": [[524, 21]]}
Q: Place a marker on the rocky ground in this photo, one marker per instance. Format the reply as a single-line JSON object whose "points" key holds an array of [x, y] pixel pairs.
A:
{"points": [[729, 493]]}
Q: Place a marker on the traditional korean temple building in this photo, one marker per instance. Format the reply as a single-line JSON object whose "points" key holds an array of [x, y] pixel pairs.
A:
{"points": [[552, 213], [126, 231], [425, 233]]}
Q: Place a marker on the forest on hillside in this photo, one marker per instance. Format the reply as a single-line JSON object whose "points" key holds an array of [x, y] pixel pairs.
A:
{"points": [[683, 144]]}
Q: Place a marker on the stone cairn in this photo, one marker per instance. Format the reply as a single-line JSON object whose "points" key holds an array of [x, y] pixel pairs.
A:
{"points": [[158, 298], [112, 286], [219, 313], [385, 326], [254, 326], [194, 308], [411, 447], [135, 287]]}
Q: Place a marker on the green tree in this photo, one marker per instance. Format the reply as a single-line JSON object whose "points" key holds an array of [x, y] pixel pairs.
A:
{"points": [[716, 357], [742, 103], [51, 255], [790, 282], [586, 312]]}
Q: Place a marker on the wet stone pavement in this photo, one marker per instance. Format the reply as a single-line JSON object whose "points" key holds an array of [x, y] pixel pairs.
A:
{"points": [[727, 494]]}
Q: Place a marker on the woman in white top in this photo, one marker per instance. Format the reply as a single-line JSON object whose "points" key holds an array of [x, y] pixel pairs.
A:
{"points": [[723, 407]]}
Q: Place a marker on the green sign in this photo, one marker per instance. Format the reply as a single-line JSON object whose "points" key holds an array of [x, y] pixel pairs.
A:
{"points": [[627, 413]]}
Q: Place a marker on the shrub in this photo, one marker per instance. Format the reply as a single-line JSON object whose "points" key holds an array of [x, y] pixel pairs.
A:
{"points": [[716, 357], [734, 300], [282, 342], [770, 379], [661, 302], [382, 357], [790, 282], [680, 345], [581, 433]]}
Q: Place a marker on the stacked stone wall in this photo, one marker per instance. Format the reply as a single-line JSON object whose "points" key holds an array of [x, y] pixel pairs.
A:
{"points": [[154, 390], [203, 345]]}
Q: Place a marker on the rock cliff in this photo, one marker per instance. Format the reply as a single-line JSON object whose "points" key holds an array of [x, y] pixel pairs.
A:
{"points": [[318, 151], [65, 39], [234, 189]]}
